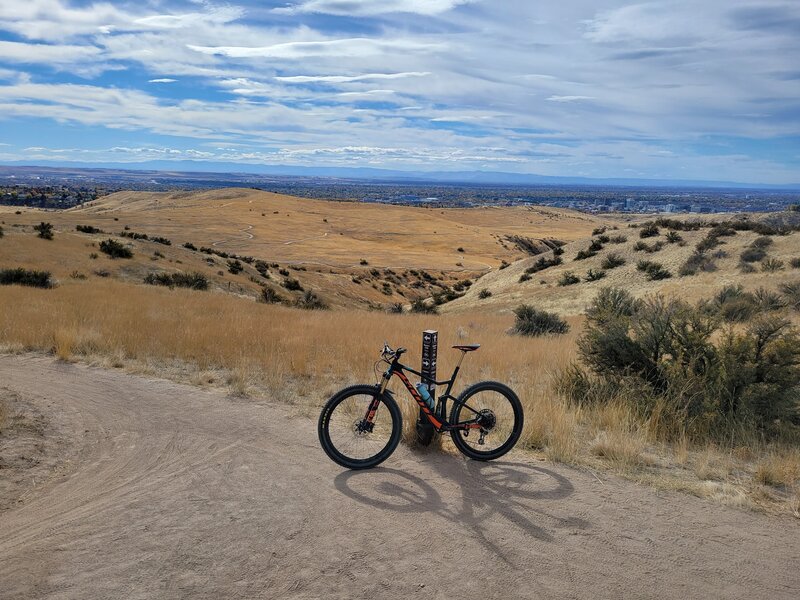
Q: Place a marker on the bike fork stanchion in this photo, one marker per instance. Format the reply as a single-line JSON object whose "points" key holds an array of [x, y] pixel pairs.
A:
{"points": [[430, 348]]}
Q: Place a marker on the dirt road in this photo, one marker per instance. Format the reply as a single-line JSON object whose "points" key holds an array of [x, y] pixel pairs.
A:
{"points": [[173, 492]]}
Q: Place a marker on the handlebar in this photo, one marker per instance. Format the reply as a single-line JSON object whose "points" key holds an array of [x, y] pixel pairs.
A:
{"points": [[388, 354]]}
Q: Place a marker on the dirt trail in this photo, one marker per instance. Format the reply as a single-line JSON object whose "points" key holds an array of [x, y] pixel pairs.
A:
{"points": [[174, 492]]}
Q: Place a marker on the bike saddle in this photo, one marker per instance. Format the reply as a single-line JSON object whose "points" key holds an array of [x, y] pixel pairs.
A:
{"points": [[467, 347]]}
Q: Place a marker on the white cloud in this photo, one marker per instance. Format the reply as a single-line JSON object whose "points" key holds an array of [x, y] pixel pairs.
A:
{"points": [[569, 98], [506, 74], [373, 7], [55, 54], [215, 15], [348, 78], [343, 48]]}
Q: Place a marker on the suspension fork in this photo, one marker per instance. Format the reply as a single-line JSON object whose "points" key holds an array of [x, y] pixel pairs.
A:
{"points": [[376, 401]]}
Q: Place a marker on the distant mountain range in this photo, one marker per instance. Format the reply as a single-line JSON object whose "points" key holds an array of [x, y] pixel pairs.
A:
{"points": [[229, 171]]}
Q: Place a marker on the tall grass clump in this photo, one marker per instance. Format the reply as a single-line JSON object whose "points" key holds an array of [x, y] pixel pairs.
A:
{"points": [[533, 322]]}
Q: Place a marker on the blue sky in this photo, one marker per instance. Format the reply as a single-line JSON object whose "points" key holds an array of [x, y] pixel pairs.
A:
{"points": [[677, 89]]}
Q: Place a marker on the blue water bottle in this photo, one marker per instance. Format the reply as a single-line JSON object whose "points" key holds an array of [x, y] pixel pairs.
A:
{"points": [[426, 395]]}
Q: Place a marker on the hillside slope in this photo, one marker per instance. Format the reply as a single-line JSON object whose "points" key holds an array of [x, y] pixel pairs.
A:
{"points": [[543, 289], [351, 254]]}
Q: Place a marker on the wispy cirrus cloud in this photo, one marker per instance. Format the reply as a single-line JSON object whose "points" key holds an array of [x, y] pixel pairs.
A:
{"points": [[372, 7], [348, 78], [52, 54], [343, 48]]}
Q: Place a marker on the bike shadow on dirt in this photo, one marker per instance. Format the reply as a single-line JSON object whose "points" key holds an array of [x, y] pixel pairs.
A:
{"points": [[517, 491]]}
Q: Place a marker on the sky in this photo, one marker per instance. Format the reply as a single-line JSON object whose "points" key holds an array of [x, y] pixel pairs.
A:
{"points": [[674, 89]]}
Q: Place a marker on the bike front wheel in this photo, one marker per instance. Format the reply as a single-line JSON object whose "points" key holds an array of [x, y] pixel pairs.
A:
{"points": [[498, 411], [350, 436]]}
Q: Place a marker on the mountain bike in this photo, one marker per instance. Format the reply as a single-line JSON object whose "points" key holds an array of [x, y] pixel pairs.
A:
{"points": [[360, 426]]}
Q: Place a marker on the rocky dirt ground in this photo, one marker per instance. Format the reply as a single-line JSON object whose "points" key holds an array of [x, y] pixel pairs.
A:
{"points": [[119, 486]]}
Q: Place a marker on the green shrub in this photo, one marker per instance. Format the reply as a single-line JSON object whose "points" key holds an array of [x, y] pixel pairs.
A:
{"points": [[750, 255], [795, 263], [310, 301], [584, 254], [1, 231], [484, 293], [533, 322], [524, 277], [45, 230], [698, 261], [194, 281], [721, 230], [649, 230], [190, 246], [617, 239], [270, 296], [649, 248], [595, 275], [115, 249], [293, 285], [395, 308], [768, 301], [133, 235], [420, 306], [771, 265], [558, 251], [673, 237], [543, 263], [668, 356], [612, 261], [88, 229], [653, 270], [746, 267], [161, 240], [569, 278], [235, 267], [596, 246], [761, 242], [19, 276], [445, 295], [791, 294]]}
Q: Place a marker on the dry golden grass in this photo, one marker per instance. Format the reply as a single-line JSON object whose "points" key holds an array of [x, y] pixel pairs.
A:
{"points": [[298, 230], [779, 468], [302, 357], [328, 240]]}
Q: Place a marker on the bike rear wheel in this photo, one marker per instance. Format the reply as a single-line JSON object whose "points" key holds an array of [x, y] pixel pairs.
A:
{"points": [[497, 409], [352, 440]]}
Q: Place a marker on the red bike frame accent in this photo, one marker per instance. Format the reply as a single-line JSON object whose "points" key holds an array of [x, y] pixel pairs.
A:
{"points": [[438, 421]]}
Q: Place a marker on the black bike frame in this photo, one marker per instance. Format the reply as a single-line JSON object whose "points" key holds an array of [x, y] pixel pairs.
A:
{"points": [[438, 419]]}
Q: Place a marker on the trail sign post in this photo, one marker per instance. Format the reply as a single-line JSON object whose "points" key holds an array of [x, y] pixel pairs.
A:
{"points": [[430, 349]]}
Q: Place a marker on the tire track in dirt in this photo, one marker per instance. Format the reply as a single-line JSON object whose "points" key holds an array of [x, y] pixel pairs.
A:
{"points": [[177, 492]]}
